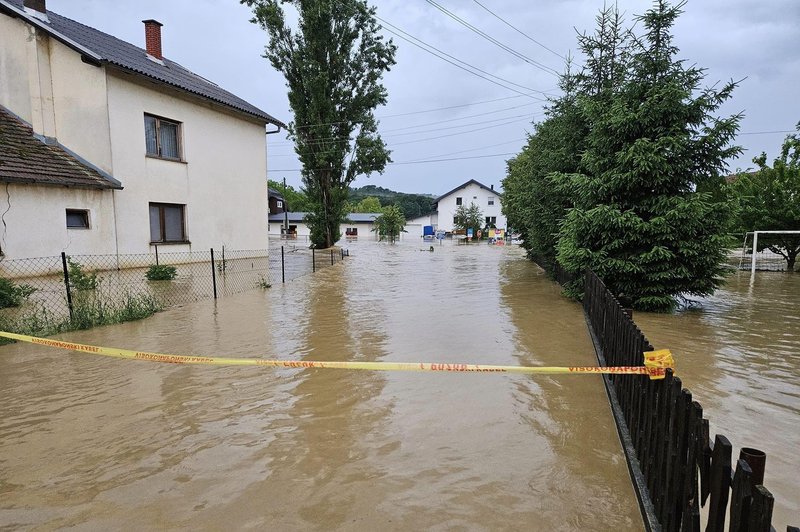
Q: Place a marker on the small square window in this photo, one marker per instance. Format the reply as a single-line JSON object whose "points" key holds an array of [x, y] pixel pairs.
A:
{"points": [[162, 137], [459, 201], [491, 200], [279, 204], [77, 219]]}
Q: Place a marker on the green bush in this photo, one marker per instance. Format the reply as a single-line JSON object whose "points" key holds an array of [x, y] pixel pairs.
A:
{"points": [[161, 272], [79, 279], [12, 294]]}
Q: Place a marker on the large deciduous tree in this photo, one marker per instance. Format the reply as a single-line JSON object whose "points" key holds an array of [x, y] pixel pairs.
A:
{"points": [[638, 220], [333, 62], [769, 200]]}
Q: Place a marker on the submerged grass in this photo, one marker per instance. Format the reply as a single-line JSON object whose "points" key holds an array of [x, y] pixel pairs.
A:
{"points": [[89, 310]]}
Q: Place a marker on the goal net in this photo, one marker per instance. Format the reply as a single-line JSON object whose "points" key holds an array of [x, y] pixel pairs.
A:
{"points": [[766, 259]]}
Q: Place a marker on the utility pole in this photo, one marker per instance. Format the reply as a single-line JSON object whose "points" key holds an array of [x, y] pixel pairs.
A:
{"points": [[285, 211]]}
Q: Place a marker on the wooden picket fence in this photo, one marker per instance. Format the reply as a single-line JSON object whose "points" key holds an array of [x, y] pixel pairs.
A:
{"points": [[675, 467]]}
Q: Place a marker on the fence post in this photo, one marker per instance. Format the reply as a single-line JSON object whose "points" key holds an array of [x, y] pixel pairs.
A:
{"points": [[283, 267], [213, 274], [66, 283], [313, 260], [224, 266], [342, 250], [156, 254], [331, 257]]}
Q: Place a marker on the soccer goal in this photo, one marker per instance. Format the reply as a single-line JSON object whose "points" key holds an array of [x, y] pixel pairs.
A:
{"points": [[765, 259]]}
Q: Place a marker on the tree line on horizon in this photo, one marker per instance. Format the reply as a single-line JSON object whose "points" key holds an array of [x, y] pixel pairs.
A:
{"points": [[625, 174]]}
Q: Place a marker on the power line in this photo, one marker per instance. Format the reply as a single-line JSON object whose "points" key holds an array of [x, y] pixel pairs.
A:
{"points": [[416, 162], [494, 41], [461, 118], [504, 21], [766, 132], [477, 148], [513, 118], [455, 61]]}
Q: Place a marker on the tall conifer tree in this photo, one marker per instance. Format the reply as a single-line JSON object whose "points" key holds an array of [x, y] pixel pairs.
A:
{"points": [[638, 220]]}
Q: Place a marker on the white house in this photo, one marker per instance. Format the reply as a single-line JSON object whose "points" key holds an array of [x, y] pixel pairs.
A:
{"points": [[486, 198], [108, 148], [357, 225]]}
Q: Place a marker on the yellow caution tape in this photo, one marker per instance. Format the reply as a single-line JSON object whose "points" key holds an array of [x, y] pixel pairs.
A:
{"points": [[655, 362]]}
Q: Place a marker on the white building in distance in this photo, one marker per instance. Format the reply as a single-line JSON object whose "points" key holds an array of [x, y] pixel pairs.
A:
{"points": [[486, 198]]}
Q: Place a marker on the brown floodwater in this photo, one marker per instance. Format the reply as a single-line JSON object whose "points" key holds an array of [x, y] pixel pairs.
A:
{"points": [[96, 443], [739, 354]]}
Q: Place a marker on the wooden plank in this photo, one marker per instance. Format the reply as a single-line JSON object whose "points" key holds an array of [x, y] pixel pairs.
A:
{"points": [[760, 510], [704, 461], [741, 497], [690, 520], [678, 495], [720, 483]]}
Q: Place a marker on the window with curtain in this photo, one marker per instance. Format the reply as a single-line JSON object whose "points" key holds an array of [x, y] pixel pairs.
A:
{"points": [[162, 137], [167, 222]]}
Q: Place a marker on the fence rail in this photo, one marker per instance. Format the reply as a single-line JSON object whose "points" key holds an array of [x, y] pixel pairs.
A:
{"points": [[674, 465]]}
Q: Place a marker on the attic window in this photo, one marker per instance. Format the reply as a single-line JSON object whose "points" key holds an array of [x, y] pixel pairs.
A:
{"points": [[162, 137], [77, 219]]}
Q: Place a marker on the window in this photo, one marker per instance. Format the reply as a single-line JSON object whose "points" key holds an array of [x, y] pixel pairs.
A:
{"points": [[77, 219], [491, 220], [279, 204], [162, 137], [458, 201], [491, 200], [167, 222]]}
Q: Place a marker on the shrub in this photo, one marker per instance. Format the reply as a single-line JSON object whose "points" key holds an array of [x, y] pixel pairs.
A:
{"points": [[161, 272], [79, 279], [12, 294]]}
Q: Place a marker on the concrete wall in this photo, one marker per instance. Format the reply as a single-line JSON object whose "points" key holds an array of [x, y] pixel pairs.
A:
{"points": [[221, 179], [472, 193], [36, 224]]}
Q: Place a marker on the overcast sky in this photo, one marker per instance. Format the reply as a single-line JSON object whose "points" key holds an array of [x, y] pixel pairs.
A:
{"points": [[732, 39]]}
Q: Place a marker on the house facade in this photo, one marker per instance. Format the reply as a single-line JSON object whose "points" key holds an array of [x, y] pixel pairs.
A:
{"points": [[485, 198], [176, 160], [291, 224]]}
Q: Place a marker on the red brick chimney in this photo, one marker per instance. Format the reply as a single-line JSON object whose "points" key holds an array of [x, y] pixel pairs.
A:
{"points": [[152, 37]]}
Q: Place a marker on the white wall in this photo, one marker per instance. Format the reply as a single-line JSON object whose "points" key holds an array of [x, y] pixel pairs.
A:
{"points": [[221, 181], [472, 193], [36, 222]]}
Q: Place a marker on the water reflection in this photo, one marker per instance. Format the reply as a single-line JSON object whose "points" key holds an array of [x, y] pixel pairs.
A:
{"points": [[739, 353]]}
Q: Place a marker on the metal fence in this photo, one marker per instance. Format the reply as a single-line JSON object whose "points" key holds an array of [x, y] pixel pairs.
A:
{"points": [[50, 294], [47, 295]]}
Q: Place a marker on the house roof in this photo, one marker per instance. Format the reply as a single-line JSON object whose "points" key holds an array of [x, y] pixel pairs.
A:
{"points": [[272, 193], [29, 158], [354, 217], [470, 182], [101, 48]]}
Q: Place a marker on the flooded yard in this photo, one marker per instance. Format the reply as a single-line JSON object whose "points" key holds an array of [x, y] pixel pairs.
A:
{"points": [[739, 353], [98, 443]]}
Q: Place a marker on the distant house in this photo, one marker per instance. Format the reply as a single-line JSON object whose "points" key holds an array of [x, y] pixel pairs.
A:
{"points": [[358, 225], [486, 198], [277, 203], [108, 148]]}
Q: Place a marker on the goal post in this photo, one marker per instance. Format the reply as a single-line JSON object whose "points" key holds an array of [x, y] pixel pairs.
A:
{"points": [[755, 244]]}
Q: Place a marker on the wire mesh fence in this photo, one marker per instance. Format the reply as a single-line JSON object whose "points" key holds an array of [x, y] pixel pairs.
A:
{"points": [[47, 295], [51, 294]]}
